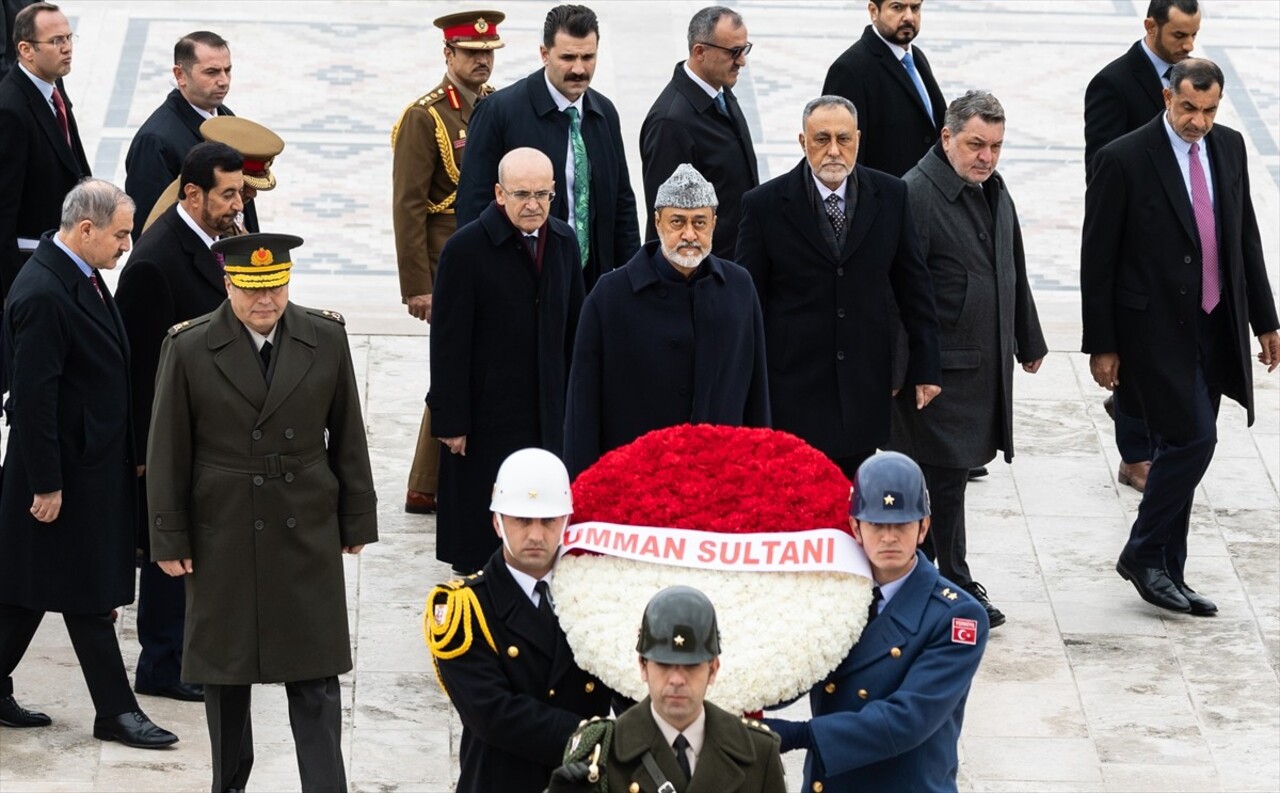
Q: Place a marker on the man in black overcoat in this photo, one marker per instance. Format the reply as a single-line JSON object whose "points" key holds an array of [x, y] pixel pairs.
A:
{"points": [[1171, 278], [68, 506], [825, 244], [172, 276], [697, 120], [889, 80], [202, 71], [497, 646], [508, 293], [1125, 95], [537, 112], [676, 336]]}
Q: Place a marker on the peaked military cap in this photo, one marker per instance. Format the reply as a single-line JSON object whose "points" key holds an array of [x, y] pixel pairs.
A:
{"points": [[472, 30], [257, 261]]}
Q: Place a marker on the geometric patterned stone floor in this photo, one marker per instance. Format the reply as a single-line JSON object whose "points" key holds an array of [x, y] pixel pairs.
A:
{"points": [[1086, 688]]}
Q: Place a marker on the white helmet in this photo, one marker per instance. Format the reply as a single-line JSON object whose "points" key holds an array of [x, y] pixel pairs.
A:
{"points": [[532, 483]]}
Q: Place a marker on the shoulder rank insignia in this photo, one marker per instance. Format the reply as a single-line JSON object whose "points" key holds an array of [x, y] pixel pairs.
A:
{"points": [[948, 594], [187, 324], [329, 315]]}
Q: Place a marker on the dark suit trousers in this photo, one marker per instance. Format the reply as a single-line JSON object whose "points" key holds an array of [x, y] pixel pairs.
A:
{"points": [[315, 715], [1158, 538], [161, 617], [94, 639], [945, 541], [1132, 439]]}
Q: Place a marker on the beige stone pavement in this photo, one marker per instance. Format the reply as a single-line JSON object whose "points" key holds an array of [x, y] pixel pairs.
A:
{"points": [[1085, 689]]}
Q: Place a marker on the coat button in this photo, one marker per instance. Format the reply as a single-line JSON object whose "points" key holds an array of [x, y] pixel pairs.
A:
{"points": [[257, 524], [288, 434], [840, 313], [257, 480], [1182, 290], [862, 693], [839, 271], [291, 522], [982, 235], [635, 788], [513, 651], [551, 693], [817, 787], [895, 652], [590, 686], [830, 688], [1186, 260], [840, 355], [257, 435], [288, 477], [662, 293]]}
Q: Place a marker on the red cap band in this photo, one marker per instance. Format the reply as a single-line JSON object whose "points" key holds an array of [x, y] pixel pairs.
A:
{"points": [[468, 31], [255, 167]]}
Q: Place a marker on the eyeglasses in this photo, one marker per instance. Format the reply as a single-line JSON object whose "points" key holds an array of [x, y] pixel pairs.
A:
{"points": [[58, 41], [734, 52], [522, 196]]}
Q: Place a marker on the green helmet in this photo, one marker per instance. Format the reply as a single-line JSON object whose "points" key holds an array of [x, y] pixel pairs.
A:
{"points": [[679, 627]]}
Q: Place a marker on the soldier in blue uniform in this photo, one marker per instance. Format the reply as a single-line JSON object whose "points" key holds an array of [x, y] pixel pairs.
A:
{"points": [[498, 648], [889, 716]]}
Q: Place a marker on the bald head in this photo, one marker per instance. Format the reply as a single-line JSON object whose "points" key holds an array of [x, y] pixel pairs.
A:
{"points": [[525, 188]]}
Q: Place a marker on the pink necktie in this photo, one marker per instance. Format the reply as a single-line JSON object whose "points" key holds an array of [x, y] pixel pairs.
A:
{"points": [[1203, 206], [60, 109]]}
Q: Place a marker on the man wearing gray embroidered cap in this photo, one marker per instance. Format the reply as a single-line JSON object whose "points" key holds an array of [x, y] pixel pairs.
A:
{"points": [[674, 336]]}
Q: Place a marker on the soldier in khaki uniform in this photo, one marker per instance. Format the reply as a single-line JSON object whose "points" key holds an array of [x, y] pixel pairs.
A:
{"points": [[427, 146]]}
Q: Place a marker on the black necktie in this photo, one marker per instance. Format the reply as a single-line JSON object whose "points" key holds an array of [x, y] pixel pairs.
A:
{"points": [[531, 242], [544, 599], [682, 758], [265, 355], [874, 609], [1166, 74]]}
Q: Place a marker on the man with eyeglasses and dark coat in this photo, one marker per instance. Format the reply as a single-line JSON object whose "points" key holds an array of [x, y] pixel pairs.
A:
{"points": [[504, 312]]}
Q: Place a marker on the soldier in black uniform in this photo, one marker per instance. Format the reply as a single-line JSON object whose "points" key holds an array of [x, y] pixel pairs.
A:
{"points": [[497, 647]]}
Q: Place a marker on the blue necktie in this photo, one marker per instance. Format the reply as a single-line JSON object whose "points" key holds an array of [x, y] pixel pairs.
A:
{"points": [[721, 105], [909, 64]]}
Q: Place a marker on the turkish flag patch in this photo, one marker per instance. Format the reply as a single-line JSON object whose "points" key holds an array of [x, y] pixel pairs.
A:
{"points": [[964, 631]]}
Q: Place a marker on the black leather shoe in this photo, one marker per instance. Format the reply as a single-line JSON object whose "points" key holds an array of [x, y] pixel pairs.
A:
{"points": [[1155, 586], [1201, 606], [14, 715], [187, 692], [994, 615], [977, 473], [133, 729]]}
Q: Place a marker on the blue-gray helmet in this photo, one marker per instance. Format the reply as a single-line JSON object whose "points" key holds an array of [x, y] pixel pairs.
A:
{"points": [[889, 488]]}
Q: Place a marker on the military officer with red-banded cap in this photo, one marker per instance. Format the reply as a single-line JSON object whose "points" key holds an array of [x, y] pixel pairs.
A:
{"points": [[427, 145]]}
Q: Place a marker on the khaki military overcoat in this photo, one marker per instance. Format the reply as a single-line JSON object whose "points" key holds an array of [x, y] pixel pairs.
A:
{"points": [[261, 486]]}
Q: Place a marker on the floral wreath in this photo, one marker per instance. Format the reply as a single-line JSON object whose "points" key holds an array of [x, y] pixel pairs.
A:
{"points": [[781, 630]]}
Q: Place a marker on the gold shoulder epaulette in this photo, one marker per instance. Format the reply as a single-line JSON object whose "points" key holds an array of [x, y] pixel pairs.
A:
{"points": [[451, 618], [426, 100], [187, 324], [333, 316]]}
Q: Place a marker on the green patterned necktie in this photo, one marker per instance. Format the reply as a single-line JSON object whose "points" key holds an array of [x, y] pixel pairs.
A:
{"points": [[581, 184]]}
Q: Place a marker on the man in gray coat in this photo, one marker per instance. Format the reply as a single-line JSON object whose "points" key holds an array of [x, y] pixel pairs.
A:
{"points": [[972, 242], [258, 481]]}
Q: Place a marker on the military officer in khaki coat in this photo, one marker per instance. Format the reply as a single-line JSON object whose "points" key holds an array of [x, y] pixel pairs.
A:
{"points": [[258, 481], [427, 146]]}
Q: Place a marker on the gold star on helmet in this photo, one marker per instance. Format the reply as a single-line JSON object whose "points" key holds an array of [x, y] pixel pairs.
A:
{"points": [[888, 499], [533, 494], [678, 640]]}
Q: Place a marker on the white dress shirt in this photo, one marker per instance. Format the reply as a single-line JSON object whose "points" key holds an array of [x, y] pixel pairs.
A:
{"points": [[695, 734]]}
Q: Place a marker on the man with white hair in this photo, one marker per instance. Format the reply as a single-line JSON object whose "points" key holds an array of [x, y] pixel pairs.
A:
{"points": [[675, 336]]}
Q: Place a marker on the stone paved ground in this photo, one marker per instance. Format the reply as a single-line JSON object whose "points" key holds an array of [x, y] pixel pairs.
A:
{"points": [[1085, 689]]}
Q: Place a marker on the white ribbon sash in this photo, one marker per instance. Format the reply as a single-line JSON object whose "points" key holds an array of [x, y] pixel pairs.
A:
{"points": [[794, 551]]}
